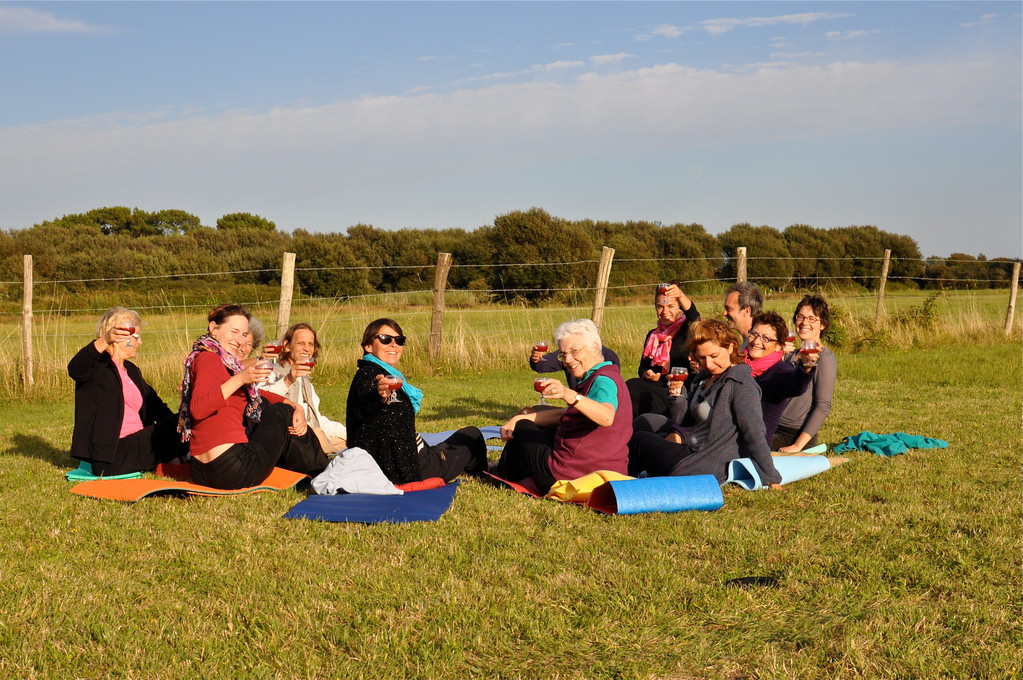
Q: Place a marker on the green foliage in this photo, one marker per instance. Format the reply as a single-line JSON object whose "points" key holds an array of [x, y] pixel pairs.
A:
{"points": [[766, 251], [836, 335], [244, 220]]}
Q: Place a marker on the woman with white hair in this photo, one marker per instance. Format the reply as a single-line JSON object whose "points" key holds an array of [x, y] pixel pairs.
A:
{"points": [[121, 423], [590, 433]]}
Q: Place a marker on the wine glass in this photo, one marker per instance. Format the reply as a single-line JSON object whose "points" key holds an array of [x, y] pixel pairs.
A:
{"points": [[676, 376], [273, 348], [541, 346], [538, 385], [130, 330], [394, 383]]}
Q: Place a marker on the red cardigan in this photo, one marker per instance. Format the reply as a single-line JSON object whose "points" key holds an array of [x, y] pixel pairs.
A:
{"points": [[216, 420]]}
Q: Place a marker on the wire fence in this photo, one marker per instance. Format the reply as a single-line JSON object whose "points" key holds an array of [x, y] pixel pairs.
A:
{"points": [[471, 319]]}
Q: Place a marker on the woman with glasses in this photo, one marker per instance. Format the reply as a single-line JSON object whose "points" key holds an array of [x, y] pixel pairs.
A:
{"points": [[664, 347], [590, 433], [778, 379], [805, 414], [381, 416], [121, 423], [714, 421], [237, 433]]}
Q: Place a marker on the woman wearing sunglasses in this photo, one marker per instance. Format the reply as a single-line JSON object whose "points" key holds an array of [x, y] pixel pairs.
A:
{"points": [[381, 416], [591, 433], [779, 380], [804, 415]]}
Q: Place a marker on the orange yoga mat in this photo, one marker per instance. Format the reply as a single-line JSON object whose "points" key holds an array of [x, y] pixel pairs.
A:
{"points": [[132, 490]]}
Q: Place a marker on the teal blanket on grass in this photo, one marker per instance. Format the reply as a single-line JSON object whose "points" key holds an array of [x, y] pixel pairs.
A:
{"points": [[888, 444]]}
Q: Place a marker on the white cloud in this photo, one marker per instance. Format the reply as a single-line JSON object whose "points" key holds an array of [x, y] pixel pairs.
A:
{"points": [[27, 20], [667, 31], [555, 66], [795, 55], [337, 154], [717, 26], [562, 45], [984, 20], [601, 59], [849, 35], [427, 58]]}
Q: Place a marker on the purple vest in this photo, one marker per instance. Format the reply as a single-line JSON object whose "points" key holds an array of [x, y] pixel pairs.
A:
{"points": [[582, 447]]}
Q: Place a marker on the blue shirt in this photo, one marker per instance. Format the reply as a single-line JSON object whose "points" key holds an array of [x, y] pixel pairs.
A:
{"points": [[603, 389]]}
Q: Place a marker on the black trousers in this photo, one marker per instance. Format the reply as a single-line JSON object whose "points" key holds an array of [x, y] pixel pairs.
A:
{"points": [[463, 452], [141, 451], [270, 445], [527, 454], [785, 437]]}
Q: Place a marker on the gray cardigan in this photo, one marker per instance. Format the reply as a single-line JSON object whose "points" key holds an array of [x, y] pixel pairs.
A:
{"points": [[734, 427], [807, 412]]}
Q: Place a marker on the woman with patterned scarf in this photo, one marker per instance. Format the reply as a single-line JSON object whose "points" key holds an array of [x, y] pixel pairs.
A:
{"points": [[238, 434], [381, 417], [664, 347]]}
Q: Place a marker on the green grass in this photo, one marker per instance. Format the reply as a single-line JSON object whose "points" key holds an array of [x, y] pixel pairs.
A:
{"points": [[888, 568]]}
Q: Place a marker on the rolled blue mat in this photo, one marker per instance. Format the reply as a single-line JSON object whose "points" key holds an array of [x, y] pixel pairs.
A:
{"points": [[657, 494], [744, 472]]}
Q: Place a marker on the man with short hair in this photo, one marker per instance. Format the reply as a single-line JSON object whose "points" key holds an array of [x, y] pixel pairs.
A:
{"points": [[743, 301]]}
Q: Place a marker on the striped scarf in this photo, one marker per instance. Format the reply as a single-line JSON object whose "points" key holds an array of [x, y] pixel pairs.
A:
{"points": [[206, 343]]}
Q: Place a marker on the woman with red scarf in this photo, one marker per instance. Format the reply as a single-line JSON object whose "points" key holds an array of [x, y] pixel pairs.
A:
{"points": [[779, 380], [238, 434], [664, 347]]}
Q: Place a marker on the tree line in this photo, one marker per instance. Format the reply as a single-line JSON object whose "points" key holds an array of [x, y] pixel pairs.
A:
{"points": [[117, 242]]}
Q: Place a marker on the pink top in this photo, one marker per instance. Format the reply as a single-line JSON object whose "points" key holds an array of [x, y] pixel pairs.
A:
{"points": [[131, 422]]}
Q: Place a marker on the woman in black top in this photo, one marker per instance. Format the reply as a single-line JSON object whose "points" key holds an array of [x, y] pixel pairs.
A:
{"points": [[121, 423], [664, 347], [381, 417]]}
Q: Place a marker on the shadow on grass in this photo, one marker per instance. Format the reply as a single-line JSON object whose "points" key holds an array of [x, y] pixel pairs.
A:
{"points": [[32, 446], [463, 407]]}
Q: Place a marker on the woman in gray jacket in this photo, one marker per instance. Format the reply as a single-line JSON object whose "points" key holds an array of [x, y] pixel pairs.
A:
{"points": [[720, 412]]}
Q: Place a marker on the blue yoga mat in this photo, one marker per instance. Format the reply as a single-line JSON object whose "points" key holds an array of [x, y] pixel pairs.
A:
{"points": [[743, 472], [413, 506], [657, 494], [434, 438]]}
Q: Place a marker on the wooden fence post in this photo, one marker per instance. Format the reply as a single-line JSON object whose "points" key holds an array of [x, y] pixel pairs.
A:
{"points": [[740, 264], [440, 283], [1010, 313], [287, 292], [880, 286], [603, 274], [27, 377]]}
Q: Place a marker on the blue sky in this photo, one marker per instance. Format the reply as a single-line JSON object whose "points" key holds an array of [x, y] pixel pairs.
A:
{"points": [[322, 115]]}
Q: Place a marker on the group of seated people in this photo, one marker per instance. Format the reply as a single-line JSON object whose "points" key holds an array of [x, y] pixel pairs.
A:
{"points": [[748, 391]]}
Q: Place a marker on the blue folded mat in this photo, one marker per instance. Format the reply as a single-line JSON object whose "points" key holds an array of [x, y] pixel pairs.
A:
{"points": [[888, 444], [489, 432], [657, 494], [743, 471], [413, 506]]}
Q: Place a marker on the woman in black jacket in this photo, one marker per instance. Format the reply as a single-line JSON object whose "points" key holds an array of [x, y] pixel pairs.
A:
{"points": [[381, 417], [121, 424]]}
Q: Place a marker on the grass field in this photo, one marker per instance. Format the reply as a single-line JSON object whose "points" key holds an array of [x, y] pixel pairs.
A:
{"points": [[888, 568]]}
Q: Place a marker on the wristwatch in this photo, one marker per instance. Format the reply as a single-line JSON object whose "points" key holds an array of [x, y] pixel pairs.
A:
{"points": [[576, 400]]}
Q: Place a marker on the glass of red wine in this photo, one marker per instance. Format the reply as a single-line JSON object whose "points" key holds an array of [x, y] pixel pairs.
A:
{"points": [[676, 376], [394, 383], [809, 348], [273, 348], [309, 361], [538, 385], [541, 346], [131, 331]]}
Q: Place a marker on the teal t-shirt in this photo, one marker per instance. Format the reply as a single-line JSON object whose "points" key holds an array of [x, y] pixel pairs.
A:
{"points": [[603, 388]]}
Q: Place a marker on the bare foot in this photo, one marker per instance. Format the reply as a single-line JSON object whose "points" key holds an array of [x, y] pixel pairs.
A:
{"points": [[835, 461]]}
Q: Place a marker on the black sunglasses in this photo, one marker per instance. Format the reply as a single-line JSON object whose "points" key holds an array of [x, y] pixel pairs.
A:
{"points": [[386, 339]]}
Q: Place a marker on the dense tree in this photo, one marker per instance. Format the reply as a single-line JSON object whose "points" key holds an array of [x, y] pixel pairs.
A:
{"points": [[689, 253], [244, 220], [172, 222], [767, 254]]}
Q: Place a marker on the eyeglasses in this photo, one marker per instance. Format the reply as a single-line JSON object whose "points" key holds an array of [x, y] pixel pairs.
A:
{"points": [[386, 339], [809, 319], [754, 336], [570, 353]]}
